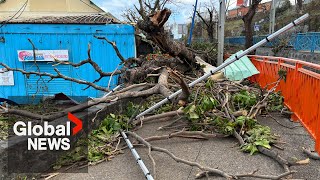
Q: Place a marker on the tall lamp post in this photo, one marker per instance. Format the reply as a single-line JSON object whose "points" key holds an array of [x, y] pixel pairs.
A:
{"points": [[221, 22]]}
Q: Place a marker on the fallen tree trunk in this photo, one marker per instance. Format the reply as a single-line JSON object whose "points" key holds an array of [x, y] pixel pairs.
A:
{"points": [[153, 26]]}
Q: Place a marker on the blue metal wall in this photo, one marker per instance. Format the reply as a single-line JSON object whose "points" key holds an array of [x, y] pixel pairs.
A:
{"points": [[75, 39]]}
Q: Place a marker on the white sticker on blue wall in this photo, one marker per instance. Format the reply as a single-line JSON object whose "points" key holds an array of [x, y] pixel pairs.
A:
{"points": [[43, 55], [6, 78]]}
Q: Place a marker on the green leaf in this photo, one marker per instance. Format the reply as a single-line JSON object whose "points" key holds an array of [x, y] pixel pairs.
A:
{"points": [[251, 148], [57, 167], [77, 157], [112, 115], [263, 143], [192, 108], [77, 149], [214, 102], [116, 126], [241, 120], [209, 83], [229, 129], [102, 137], [104, 129], [190, 111], [193, 115]]}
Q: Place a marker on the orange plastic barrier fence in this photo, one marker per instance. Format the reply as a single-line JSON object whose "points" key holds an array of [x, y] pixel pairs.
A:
{"points": [[301, 91]]}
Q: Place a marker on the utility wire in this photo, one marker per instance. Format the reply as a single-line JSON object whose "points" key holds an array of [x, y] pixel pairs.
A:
{"points": [[22, 7]]}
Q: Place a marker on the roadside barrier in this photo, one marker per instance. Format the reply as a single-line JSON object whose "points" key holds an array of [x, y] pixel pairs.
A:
{"points": [[301, 90]]}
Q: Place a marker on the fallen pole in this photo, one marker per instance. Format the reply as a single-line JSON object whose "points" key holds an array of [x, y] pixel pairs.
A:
{"points": [[130, 146], [225, 64], [137, 157], [112, 91]]}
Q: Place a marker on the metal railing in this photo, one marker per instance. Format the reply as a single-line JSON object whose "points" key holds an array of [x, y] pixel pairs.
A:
{"points": [[309, 42], [300, 90]]}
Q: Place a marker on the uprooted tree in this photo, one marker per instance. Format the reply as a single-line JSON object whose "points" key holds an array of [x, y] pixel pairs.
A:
{"points": [[217, 108]]}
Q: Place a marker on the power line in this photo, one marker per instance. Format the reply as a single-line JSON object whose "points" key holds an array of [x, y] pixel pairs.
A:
{"points": [[22, 7]]}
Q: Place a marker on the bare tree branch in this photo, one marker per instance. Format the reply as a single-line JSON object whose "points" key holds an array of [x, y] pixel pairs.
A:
{"points": [[52, 76], [113, 44]]}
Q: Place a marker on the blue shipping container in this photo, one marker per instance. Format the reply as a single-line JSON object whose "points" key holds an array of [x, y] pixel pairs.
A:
{"points": [[72, 37]]}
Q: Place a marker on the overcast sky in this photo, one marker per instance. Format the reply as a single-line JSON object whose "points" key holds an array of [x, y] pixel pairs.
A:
{"points": [[182, 11]]}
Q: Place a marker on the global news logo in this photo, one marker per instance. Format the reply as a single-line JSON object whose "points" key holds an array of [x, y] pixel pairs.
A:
{"points": [[48, 137]]}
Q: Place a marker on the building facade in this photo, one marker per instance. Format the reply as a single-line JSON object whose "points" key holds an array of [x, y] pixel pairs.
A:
{"points": [[64, 35], [35, 8], [241, 11]]}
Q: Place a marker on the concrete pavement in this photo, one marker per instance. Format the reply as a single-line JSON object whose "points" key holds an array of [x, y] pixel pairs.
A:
{"points": [[222, 153]]}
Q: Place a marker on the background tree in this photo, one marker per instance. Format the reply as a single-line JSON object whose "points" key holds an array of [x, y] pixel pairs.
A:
{"points": [[299, 6], [247, 19], [282, 8], [210, 20], [146, 7]]}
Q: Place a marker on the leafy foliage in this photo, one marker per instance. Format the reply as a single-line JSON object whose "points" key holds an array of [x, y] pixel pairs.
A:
{"points": [[209, 84], [245, 122], [258, 136], [284, 7], [208, 50], [196, 109], [101, 141], [224, 126], [77, 154], [244, 99], [275, 102], [4, 125], [282, 74], [201, 113]]}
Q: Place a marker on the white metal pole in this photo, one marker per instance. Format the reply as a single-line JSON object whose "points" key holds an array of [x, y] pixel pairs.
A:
{"points": [[272, 16], [225, 64], [221, 22], [112, 91], [137, 157]]}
